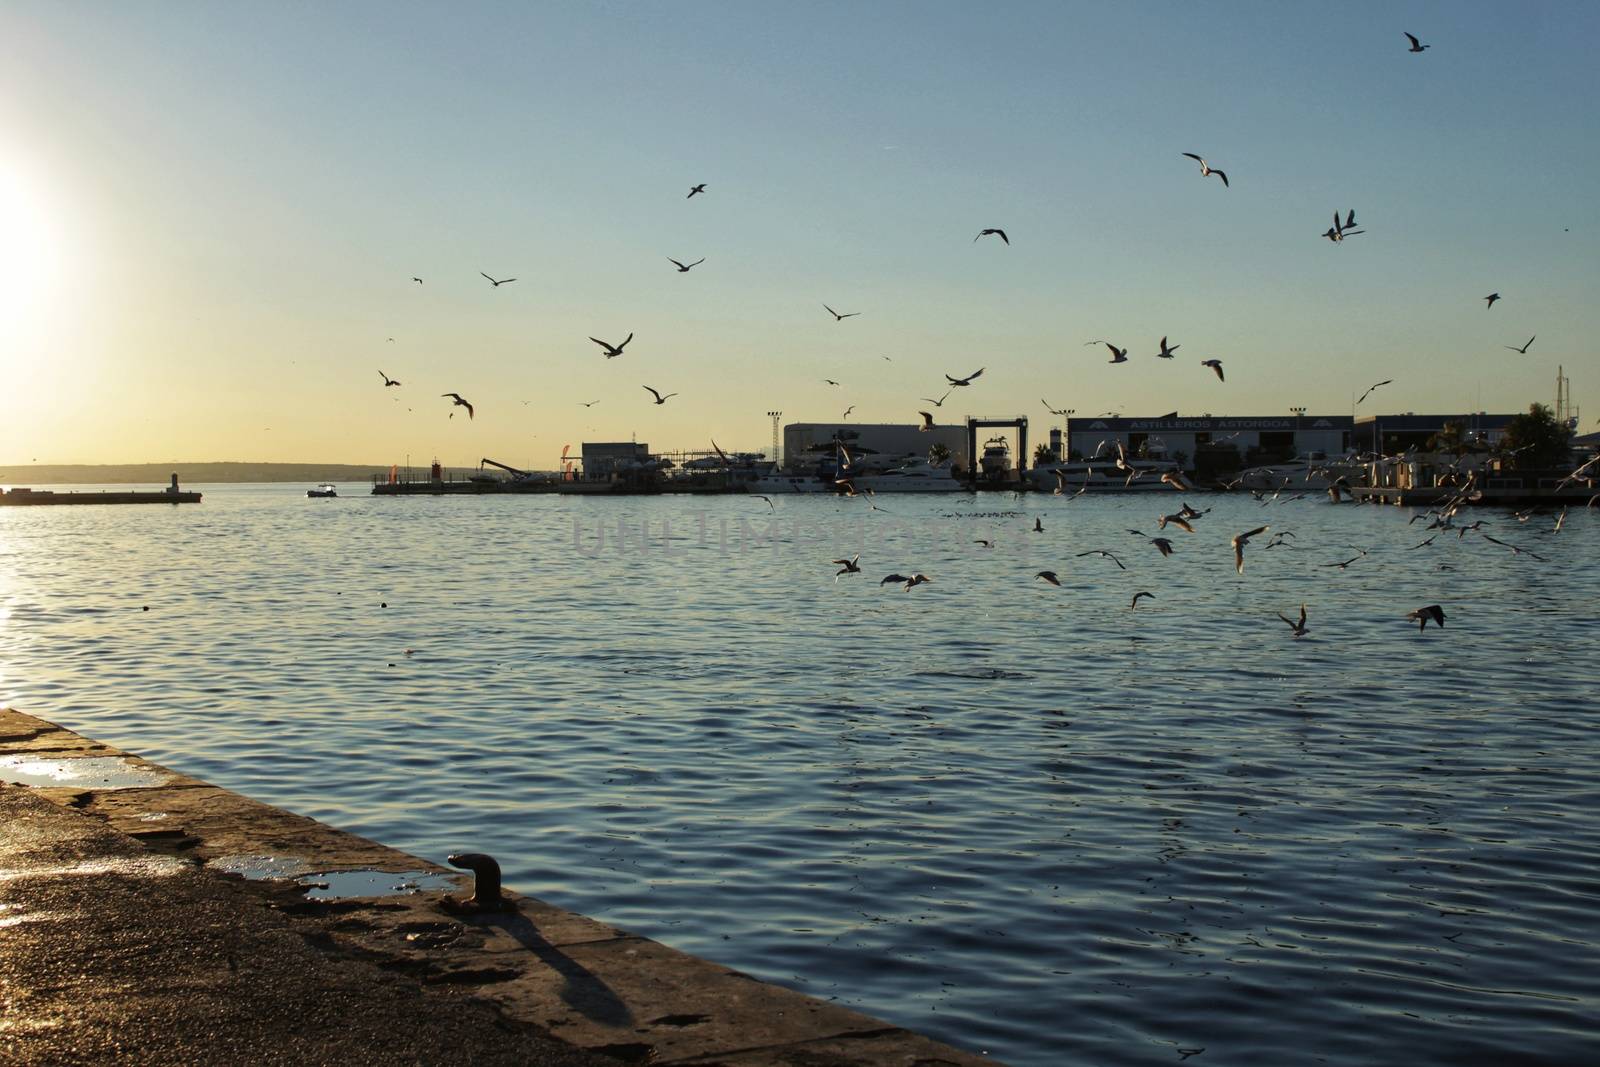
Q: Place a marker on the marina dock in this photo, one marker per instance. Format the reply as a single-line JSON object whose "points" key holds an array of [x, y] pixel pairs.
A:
{"points": [[131, 935], [23, 497]]}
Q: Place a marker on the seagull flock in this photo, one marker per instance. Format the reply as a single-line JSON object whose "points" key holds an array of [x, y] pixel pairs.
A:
{"points": [[1343, 226]]}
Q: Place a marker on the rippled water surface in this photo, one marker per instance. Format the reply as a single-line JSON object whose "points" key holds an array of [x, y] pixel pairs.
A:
{"points": [[1024, 819]]}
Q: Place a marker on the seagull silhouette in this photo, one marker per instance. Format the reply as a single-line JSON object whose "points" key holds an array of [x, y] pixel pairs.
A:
{"points": [[460, 403], [497, 284], [1422, 615], [696, 189], [840, 318], [998, 233], [1054, 411], [1417, 46], [1107, 555], [927, 422], [1206, 168], [1118, 355], [1136, 597], [1216, 365], [684, 268], [1524, 348], [1049, 576], [612, 351], [1386, 381], [387, 381], [940, 402], [1299, 629], [849, 566], [1166, 353], [964, 381], [1490, 299], [659, 398], [417, 280]]}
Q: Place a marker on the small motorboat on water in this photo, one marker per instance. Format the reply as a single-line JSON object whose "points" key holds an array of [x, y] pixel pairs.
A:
{"points": [[325, 489]]}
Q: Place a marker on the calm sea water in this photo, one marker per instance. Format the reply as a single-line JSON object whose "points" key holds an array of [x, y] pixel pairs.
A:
{"points": [[1023, 819]]}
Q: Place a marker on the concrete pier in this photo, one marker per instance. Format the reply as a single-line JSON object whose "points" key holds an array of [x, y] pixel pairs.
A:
{"points": [[121, 936]]}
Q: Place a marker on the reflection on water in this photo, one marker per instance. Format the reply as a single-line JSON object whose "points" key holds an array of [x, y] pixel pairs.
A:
{"points": [[1022, 818]]}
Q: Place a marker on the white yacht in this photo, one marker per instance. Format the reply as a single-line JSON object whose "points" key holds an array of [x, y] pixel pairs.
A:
{"points": [[1102, 476], [1314, 470], [914, 476]]}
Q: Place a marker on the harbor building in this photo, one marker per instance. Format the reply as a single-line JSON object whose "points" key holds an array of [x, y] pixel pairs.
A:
{"points": [[1208, 443], [1389, 434], [602, 459], [805, 444]]}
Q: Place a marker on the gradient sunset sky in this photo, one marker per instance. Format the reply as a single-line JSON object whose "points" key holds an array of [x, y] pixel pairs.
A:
{"points": [[210, 215]]}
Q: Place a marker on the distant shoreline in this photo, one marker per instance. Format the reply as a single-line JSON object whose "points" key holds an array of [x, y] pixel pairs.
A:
{"points": [[34, 474]]}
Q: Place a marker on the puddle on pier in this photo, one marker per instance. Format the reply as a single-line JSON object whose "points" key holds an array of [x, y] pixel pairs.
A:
{"points": [[96, 772], [333, 885]]}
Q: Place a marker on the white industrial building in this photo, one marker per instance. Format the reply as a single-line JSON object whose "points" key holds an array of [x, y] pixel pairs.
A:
{"points": [[1183, 439]]}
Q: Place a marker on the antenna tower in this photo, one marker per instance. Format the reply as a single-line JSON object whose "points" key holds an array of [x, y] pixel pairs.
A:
{"points": [[775, 416]]}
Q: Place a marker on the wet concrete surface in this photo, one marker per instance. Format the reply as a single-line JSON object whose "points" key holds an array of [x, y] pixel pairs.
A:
{"points": [[122, 937], [111, 954]]}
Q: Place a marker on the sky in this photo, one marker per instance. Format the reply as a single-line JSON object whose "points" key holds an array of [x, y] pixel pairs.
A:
{"points": [[210, 216]]}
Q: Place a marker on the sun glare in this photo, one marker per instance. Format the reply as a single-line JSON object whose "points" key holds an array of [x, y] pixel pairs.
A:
{"points": [[30, 253]]}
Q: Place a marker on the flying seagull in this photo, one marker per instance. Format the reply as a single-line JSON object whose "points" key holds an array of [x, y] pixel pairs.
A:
{"points": [[1054, 411], [1038, 524], [1386, 381], [684, 268], [387, 381], [963, 381], [696, 189], [497, 284], [1416, 46], [927, 421], [1206, 168], [847, 411], [829, 381], [417, 280], [1422, 615], [1179, 521], [940, 402], [612, 351], [589, 403], [849, 566], [1049, 576], [1239, 541], [1490, 299], [838, 317], [460, 403], [1524, 348], [1136, 597], [1216, 365], [1299, 629], [1166, 353], [1107, 555], [659, 398], [998, 233], [1118, 355]]}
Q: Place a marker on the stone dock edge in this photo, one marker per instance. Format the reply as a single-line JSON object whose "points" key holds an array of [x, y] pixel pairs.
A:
{"points": [[587, 984]]}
